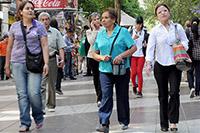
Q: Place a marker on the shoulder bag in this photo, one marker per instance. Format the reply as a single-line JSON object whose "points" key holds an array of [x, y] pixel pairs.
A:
{"points": [[182, 59], [34, 62], [117, 69]]}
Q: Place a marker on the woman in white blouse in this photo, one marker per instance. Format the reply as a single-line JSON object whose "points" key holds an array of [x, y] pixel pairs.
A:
{"points": [[160, 48]]}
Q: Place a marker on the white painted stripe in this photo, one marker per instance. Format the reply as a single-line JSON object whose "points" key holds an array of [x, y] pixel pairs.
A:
{"points": [[90, 108]]}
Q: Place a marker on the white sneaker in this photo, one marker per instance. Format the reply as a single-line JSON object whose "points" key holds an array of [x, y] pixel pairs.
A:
{"points": [[51, 109], [123, 126], [98, 103], [192, 93]]}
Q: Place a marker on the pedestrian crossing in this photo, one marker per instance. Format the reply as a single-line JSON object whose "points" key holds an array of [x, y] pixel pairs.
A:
{"points": [[76, 110]]}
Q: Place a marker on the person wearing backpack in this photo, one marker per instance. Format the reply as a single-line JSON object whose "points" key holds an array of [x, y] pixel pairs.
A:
{"points": [[137, 59]]}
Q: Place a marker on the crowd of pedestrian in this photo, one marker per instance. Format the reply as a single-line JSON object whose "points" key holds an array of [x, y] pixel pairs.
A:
{"points": [[112, 54]]}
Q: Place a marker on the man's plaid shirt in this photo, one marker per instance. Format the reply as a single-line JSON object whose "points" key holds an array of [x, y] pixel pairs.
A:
{"points": [[196, 46]]}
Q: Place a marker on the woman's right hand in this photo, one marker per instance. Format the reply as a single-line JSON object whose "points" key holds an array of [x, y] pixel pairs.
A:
{"points": [[148, 68], [7, 71], [45, 69], [106, 58]]}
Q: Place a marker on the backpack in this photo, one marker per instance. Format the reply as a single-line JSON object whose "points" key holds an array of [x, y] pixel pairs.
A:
{"points": [[146, 37]]}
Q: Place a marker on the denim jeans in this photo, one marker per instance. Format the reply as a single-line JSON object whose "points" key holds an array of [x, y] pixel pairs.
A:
{"points": [[29, 94], [68, 69], [122, 97]]}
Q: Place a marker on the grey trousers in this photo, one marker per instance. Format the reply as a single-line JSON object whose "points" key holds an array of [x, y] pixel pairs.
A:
{"points": [[49, 80]]}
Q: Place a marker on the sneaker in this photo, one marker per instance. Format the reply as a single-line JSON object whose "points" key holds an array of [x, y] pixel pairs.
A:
{"points": [[139, 95], [192, 92], [39, 125], [23, 128], [124, 127], [98, 103], [59, 92], [51, 109], [134, 90], [102, 128]]}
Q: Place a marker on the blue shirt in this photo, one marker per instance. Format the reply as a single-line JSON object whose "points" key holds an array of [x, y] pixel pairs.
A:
{"points": [[103, 44]]}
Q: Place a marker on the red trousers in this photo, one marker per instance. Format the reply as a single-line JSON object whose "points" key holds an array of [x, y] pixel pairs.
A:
{"points": [[137, 64]]}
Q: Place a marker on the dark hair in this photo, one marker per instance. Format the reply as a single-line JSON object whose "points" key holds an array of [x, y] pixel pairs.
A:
{"points": [[21, 7], [112, 13], [159, 5], [195, 27], [86, 27], [54, 23], [139, 20]]}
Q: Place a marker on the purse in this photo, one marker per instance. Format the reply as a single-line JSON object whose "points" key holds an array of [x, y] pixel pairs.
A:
{"points": [[34, 62], [182, 59], [117, 69]]}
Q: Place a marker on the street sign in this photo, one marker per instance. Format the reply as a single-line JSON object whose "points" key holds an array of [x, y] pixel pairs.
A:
{"points": [[49, 4]]}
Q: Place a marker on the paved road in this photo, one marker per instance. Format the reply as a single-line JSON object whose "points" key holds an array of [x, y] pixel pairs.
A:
{"points": [[76, 110]]}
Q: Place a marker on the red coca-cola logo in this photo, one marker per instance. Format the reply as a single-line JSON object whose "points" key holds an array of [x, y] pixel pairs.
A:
{"points": [[50, 3]]}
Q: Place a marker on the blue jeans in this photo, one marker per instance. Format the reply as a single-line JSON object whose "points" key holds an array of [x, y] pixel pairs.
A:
{"points": [[68, 69], [122, 88], [29, 94]]}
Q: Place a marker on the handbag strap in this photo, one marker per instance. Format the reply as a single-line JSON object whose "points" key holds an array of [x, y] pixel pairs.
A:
{"points": [[114, 41], [24, 36], [176, 34]]}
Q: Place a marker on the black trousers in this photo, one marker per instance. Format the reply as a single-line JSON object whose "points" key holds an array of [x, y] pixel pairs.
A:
{"points": [[2, 63], [190, 77], [169, 99], [197, 76], [89, 66], [95, 72], [59, 79]]}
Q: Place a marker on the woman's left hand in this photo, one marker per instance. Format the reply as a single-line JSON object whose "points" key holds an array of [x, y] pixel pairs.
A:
{"points": [[118, 59]]}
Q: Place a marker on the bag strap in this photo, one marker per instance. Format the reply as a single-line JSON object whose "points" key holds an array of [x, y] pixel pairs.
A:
{"points": [[176, 34], [24, 36], [114, 41]]}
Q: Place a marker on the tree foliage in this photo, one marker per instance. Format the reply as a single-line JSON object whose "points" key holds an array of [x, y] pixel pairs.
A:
{"points": [[132, 8], [129, 6], [181, 10]]}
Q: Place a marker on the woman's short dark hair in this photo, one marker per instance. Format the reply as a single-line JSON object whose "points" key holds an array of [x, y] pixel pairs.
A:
{"points": [[159, 5], [112, 13], [195, 27], [21, 7]]}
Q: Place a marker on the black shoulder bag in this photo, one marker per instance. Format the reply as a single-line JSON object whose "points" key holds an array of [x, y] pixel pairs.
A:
{"points": [[117, 69], [34, 62]]}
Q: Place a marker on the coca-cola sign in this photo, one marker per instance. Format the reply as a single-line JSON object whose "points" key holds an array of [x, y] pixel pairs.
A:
{"points": [[50, 4]]}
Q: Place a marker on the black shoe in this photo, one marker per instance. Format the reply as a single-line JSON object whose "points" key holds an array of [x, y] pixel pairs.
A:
{"points": [[102, 128], [134, 90], [59, 92], [139, 95], [164, 129], [174, 129], [87, 75], [72, 78]]}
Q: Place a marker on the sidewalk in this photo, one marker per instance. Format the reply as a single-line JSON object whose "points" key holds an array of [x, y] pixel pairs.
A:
{"points": [[76, 110]]}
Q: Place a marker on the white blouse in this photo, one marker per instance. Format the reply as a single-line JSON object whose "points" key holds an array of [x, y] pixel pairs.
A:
{"points": [[160, 43], [139, 43], [91, 36]]}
